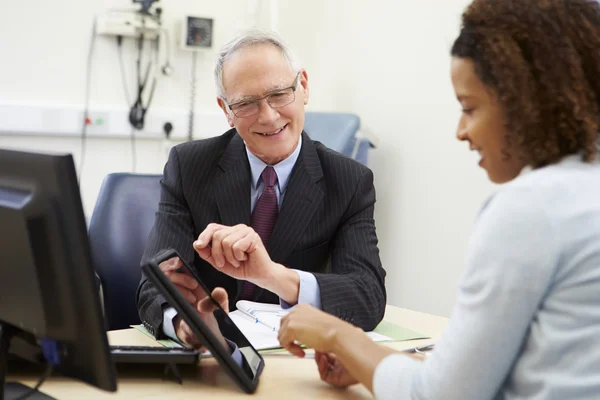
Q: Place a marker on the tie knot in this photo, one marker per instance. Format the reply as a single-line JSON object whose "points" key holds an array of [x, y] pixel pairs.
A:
{"points": [[269, 176]]}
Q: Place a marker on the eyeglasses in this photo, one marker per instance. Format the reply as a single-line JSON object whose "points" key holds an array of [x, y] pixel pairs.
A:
{"points": [[277, 99]]}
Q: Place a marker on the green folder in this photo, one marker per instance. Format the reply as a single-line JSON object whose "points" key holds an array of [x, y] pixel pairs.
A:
{"points": [[163, 342], [398, 333]]}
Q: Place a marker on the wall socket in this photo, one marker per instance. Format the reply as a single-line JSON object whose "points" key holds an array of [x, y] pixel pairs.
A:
{"points": [[98, 122], [106, 121]]}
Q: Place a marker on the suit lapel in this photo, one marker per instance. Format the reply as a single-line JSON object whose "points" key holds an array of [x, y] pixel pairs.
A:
{"points": [[232, 185], [303, 197]]}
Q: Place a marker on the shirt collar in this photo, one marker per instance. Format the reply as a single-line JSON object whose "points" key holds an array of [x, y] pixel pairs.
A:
{"points": [[283, 168], [568, 159]]}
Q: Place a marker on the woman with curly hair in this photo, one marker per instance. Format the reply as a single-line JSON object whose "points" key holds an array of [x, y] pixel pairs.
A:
{"points": [[527, 318]]}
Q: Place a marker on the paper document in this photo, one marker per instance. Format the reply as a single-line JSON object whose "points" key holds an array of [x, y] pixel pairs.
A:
{"points": [[259, 322], [268, 315]]}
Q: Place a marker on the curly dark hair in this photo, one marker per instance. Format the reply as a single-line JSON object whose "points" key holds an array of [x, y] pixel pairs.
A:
{"points": [[542, 59]]}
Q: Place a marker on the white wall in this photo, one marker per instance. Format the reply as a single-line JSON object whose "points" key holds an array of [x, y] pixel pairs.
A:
{"points": [[44, 54], [388, 61]]}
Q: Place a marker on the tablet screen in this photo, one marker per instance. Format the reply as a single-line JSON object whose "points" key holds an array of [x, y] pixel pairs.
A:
{"points": [[223, 339]]}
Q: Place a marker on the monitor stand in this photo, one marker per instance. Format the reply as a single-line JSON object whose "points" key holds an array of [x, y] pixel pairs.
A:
{"points": [[13, 390]]}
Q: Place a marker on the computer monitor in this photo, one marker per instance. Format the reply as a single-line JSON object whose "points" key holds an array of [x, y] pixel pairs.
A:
{"points": [[48, 292]]}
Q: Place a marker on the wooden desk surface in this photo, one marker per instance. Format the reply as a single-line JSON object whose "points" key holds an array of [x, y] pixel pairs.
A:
{"points": [[284, 376]]}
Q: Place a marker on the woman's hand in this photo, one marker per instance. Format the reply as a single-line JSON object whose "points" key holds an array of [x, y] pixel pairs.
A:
{"points": [[333, 371], [344, 354], [311, 327]]}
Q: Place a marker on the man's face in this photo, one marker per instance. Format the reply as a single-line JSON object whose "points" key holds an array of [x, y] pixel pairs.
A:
{"points": [[271, 134]]}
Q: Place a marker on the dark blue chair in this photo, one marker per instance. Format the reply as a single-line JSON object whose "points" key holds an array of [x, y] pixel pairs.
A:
{"points": [[338, 132], [118, 232]]}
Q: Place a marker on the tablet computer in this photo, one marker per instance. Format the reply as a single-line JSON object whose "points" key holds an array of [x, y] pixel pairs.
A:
{"points": [[236, 355]]}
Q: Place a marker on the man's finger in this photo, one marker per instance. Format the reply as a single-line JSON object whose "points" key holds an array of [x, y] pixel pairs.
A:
{"points": [[171, 264], [221, 297], [228, 243], [205, 253], [218, 245], [200, 292], [245, 246], [187, 294], [185, 334], [206, 305], [206, 236], [191, 339], [183, 280]]}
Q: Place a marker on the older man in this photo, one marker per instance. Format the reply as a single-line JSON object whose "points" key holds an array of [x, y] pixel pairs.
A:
{"points": [[262, 211]]}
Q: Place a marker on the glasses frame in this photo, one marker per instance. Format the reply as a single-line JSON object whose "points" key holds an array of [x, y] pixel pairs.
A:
{"points": [[266, 97]]}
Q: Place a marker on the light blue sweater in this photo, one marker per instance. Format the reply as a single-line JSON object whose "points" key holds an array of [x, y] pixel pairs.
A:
{"points": [[527, 320]]}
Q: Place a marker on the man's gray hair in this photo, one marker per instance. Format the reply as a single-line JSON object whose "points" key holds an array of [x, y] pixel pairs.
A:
{"points": [[245, 39]]}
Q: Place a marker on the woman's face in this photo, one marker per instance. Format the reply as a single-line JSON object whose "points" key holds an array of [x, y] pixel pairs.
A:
{"points": [[483, 123]]}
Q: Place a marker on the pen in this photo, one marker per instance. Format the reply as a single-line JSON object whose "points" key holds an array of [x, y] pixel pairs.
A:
{"points": [[421, 349], [256, 320]]}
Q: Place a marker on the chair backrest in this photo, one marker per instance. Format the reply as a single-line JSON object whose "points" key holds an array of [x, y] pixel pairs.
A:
{"points": [[335, 130], [118, 232]]}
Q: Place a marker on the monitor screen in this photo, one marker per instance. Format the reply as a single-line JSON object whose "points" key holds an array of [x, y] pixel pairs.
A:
{"points": [[48, 289]]}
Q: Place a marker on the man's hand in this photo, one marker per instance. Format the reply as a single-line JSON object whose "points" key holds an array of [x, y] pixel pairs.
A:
{"points": [[239, 252], [205, 308], [183, 280]]}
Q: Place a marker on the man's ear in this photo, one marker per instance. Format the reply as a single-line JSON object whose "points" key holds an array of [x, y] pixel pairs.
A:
{"points": [[228, 114], [304, 83]]}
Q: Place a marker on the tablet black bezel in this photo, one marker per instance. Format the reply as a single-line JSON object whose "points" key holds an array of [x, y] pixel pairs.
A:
{"points": [[200, 329]]}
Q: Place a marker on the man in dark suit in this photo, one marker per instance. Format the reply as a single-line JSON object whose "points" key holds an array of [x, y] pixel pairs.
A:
{"points": [[263, 211]]}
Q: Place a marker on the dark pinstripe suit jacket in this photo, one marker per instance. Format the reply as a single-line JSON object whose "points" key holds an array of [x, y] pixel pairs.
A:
{"points": [[325, 224]]}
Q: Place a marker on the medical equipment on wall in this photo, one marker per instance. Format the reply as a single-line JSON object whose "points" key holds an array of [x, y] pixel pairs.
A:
{"points": [[195, 34], [145, 26]]}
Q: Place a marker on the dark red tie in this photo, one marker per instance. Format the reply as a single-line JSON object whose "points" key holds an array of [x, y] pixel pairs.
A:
{"points": [[264, 217]]}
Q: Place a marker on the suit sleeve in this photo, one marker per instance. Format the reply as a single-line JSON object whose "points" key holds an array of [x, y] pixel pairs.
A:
{"points": [[355, 288], [173, 228]]}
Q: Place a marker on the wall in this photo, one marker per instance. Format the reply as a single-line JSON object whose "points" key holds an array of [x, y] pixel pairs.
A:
{"points": [[45, 46], [388, 61]]}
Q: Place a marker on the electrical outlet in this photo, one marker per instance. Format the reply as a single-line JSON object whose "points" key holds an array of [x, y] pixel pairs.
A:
{"points": [[98, 122], [130, 24]]}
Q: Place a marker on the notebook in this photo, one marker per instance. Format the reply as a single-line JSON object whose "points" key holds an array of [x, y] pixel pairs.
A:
{"points": [[260, 324]]}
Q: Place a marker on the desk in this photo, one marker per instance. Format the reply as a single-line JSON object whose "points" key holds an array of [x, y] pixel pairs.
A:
{"points": [[284, 376]]}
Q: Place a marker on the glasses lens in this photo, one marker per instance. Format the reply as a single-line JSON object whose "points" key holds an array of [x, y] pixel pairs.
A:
{"points": [[242, 110], [282, 98]]}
